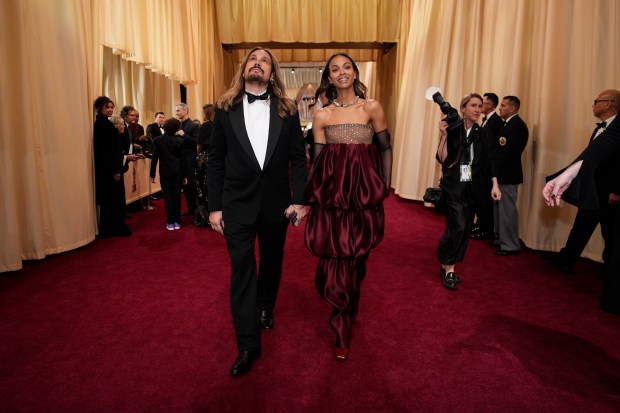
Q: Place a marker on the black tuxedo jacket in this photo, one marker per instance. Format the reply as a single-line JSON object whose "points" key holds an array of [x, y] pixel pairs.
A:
{"points": [[153, 130], [583, 191], [493, 125], [237, 186], [508, 149], [168, 151]]}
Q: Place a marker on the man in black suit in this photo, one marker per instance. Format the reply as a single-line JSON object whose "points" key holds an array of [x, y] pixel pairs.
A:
{"points": [[189, 134], [607, 179], [155, 129], [492, 122], [509, 146], [577, 185], [256, 141]]}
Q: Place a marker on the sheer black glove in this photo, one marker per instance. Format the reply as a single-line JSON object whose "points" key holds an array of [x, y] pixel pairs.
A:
{"points": [[385, 148]]}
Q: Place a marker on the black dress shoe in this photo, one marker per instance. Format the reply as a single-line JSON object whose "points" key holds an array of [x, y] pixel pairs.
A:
{"points": [[449, 280], [266, 319], [442, 273], [556, 262], [243, 362], [507, 252]]}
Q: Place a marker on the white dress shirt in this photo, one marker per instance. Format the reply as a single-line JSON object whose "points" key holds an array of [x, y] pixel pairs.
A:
{"points": [[256, 117]]}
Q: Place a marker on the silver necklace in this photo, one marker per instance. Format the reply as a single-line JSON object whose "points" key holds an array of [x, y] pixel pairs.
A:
{"points": [[344, 105]]}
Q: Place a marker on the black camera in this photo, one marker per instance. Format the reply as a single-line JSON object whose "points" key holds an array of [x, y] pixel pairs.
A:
{"points": [[452, 115]]}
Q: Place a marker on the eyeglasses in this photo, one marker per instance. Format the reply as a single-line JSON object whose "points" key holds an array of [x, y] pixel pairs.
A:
{"points": [[602, 100]]}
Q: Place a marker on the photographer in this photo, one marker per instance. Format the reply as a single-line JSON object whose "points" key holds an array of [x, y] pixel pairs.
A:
{"points": [[463, 151]]}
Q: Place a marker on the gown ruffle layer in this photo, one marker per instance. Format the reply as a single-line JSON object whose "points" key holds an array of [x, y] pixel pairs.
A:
{"points": [[345, 192]]}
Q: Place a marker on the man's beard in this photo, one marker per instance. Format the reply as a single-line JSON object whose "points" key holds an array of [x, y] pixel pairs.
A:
{"points": [[256, 77]]}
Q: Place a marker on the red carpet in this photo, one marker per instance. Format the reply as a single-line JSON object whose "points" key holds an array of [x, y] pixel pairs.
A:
{"points": [[142, 324]]}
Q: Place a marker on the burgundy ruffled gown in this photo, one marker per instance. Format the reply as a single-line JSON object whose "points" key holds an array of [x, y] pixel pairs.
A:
{"points": [[346, 193]]}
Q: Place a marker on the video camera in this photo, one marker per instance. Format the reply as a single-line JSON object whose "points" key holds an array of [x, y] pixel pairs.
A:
{"points": [[452, 115]]}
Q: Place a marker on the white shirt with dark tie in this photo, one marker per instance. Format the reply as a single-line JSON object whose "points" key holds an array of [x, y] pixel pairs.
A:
{"points": [[256, 117]]}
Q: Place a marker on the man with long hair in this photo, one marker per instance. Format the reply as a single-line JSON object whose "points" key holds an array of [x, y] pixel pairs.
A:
{"points": [[257, 173]]}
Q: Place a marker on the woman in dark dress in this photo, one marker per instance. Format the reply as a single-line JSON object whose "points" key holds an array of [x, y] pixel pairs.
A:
{"points": [[349, 180], [109, 184], [201, 214], [464, 152]]}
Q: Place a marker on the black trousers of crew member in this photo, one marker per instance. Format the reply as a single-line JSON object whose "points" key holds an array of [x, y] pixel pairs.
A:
{"points": [[459, 212], [251, 290], [610, 295], [483, 205]]}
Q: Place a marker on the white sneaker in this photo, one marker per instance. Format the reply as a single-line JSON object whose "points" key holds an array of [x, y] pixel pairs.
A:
{"points": [[170, 227], [177, 226]]}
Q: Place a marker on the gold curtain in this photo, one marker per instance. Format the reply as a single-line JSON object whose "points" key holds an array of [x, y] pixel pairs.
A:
{"points": [[177, 39], [308, 21], [555, 55], [129, 83], [46, 182]]}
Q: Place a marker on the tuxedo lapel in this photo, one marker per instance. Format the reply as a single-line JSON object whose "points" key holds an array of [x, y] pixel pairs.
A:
{"points": [[275, 126], [238, 124]]}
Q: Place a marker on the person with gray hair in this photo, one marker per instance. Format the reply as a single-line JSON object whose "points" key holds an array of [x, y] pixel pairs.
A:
{"points": [[189, 133]]}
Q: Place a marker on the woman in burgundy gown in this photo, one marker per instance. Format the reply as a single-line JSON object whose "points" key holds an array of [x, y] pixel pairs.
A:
{"points": [[349, 180]]}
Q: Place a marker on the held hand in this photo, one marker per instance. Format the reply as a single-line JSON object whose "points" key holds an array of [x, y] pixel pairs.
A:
{"points": [[299, 211], [614, 199], [552, 192], [180, 132], [216, 221], [496, 194]]}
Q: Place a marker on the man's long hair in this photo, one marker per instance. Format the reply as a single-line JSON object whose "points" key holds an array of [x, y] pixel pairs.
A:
{"points": [[275, 88], [327, 89]]}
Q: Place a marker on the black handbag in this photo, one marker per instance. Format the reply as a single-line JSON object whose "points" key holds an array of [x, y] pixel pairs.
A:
{"points": [[432, 196]]}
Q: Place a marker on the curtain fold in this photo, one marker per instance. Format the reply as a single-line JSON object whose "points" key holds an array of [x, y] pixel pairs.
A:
{"points": [[308, 21], [47, 202], [555, 55]]}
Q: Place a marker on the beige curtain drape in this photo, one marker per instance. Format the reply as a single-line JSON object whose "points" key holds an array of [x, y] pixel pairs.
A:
{"points": [[177, 39], [556, 55], [48, 85], [129, 83]]}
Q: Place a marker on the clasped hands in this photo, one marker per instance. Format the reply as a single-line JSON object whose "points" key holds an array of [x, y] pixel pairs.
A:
{"points": [[300, 213], [217, 222]]}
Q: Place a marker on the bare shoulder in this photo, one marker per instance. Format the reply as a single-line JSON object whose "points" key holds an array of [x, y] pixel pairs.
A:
{"points": [[372, 105], [321, 115], [375, 112]]}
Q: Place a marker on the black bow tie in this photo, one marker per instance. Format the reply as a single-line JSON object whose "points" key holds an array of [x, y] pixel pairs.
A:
{"points": [[252, 98], [602, 125]]}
